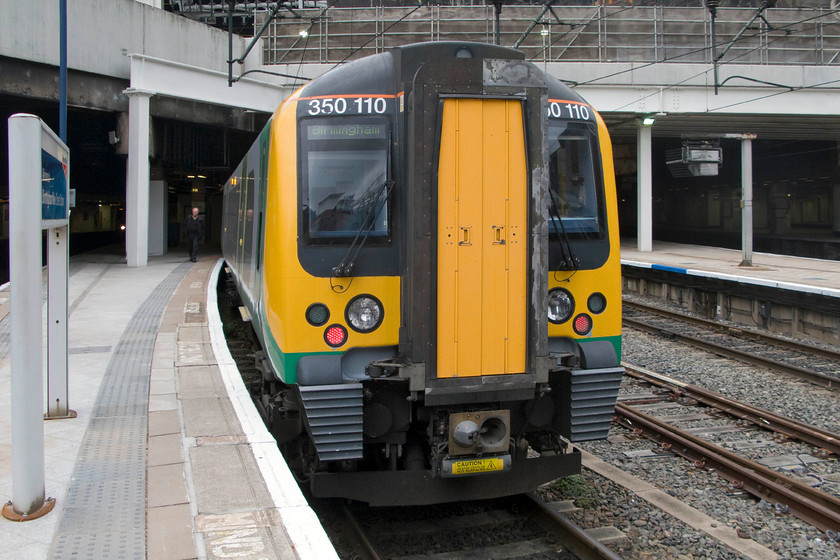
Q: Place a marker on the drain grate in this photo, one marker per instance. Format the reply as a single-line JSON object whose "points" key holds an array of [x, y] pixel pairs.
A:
{"points": [[104, 514]]}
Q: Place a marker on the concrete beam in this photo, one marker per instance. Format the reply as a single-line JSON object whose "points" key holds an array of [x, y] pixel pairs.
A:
{"points": [[177, 80], [40, 81], [689, 88]]}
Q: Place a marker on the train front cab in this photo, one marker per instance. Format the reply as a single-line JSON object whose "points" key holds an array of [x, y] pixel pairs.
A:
{"points": [[509, 292]]}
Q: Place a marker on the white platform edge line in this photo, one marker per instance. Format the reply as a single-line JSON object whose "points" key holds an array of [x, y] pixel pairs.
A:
{"points": [[302, 525], [829, 292]]}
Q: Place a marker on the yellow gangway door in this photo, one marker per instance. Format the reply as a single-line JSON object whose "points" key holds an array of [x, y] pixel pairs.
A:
{"points": [[482, 239]]}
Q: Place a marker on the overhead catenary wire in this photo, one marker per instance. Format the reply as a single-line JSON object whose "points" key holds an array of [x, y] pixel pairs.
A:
{"points": [[702, 49], [381, 33], [707, 70], [787, 28]]}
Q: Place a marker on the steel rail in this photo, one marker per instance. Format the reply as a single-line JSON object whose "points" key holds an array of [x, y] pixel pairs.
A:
{"points": [[809, 504], [571, 536], [808, 375], [747, 334], [360, 534], [824, 440]]}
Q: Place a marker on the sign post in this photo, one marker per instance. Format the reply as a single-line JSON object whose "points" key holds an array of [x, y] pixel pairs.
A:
{"points": [[55, 217], [38, 182]]}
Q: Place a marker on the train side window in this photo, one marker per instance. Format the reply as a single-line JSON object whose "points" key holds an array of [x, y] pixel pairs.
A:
{"points": [[575, 175], [344, 174]]}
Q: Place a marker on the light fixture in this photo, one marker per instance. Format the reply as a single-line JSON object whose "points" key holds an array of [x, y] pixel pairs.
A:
{"points": [[303, 33], [335, 336], [544, 32], [648, 121], [364, 313], [561, 305]]}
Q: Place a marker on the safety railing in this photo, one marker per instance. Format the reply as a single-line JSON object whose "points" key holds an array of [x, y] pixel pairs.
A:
{"points": [[596, 33]]}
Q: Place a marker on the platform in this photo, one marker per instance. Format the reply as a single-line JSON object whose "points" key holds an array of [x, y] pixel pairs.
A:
{"points": [[785, 294], [167, 458], [777, 271]]}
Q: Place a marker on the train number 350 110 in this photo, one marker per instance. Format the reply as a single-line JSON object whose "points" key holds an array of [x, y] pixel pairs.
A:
{"points": [[345, 106]]}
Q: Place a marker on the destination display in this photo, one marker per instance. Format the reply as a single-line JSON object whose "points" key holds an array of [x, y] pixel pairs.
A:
{"points": [[335, 131]]}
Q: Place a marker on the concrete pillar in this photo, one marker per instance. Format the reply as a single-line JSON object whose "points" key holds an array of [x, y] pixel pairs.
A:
{"points": [[746, 202], [644, 216], [835, 199], [158, 214], [137, 180]]}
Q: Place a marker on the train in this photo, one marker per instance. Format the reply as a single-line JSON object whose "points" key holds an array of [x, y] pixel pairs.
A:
{"points": [[425, 241]]}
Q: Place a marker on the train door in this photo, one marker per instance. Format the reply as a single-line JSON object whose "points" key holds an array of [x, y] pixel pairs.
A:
{"points": [[482, 239]]}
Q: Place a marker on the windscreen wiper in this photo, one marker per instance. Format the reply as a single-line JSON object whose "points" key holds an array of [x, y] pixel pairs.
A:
{"points": [[345, 267], [569, 260]]}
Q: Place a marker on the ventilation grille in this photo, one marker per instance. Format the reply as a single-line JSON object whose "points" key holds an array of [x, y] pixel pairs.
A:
{"points": [[334, 420], [590, 396]]}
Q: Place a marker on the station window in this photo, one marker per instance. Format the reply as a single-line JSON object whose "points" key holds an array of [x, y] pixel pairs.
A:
{"points": [[576, 180], [344, 179]]}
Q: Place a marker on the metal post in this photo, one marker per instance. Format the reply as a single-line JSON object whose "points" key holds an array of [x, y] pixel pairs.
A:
{"points": [[644, 178], [230, 42], [57, 280], [27, 389], [746, 202], [712, 5], [62, 74], [498, 7]]}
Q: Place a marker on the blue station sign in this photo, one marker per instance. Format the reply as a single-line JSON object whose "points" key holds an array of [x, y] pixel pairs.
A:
{"points": [[55, 180]]}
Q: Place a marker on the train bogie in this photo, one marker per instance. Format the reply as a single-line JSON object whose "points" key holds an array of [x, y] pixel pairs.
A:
{"points": [[433, 275]]}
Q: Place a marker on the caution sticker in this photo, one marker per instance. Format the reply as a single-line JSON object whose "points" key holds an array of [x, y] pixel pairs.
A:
{"points": [[473, 466]]}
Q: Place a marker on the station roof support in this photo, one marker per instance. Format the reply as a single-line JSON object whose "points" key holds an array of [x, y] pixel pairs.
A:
{"points": [[153, 76]]}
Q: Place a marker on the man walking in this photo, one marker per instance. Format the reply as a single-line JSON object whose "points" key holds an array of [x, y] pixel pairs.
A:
{"points": [[194, 232]]}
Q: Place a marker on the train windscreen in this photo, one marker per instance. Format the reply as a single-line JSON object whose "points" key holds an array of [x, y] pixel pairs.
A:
{"points": [[576, 185], [344, 175]]}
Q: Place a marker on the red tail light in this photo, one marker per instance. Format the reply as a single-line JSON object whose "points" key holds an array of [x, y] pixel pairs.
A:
{"points": [[335, 335], [583, 324]]}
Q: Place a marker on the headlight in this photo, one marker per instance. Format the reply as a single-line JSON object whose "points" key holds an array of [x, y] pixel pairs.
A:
{"points": [[561, 305], [364, 313]]}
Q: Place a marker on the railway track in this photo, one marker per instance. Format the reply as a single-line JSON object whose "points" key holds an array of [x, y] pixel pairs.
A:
{"points": [[522, 527], [825, 442], [820, 509], [813, 364]]}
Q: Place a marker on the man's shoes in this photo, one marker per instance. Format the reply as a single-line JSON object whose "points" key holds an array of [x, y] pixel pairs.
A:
{"points": [[192, 260]]}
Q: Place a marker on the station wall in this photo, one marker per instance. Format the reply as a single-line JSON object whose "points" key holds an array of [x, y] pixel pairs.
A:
{"points": [[102, 33]]}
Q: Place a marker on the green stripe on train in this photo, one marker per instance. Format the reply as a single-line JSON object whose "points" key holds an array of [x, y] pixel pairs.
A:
{"points": [[286, 363]]}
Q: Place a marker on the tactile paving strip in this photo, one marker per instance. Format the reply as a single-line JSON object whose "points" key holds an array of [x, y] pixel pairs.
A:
{"points": [[104, 514], [6, 323]]}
